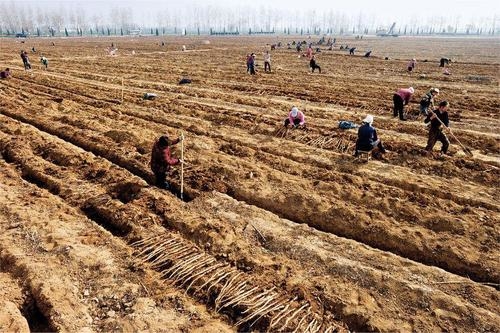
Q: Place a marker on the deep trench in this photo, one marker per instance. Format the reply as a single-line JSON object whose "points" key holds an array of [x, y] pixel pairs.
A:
{"points": [[37, 321], [30, 309]]}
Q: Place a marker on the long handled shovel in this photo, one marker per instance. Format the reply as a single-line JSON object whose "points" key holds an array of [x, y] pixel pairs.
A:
{"points": [[182, 166], [466, 150]]}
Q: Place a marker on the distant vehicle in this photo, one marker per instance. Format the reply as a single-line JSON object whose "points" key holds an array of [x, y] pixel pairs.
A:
{"points": [[384, 33], [21, 35]]}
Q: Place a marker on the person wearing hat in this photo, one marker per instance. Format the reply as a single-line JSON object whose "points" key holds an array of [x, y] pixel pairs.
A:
{"points": [[44, 61], [368, 139], [437, 118], [400, 99], [161, 159], [251, 64], [412, 64], [427, 102], [295, 118]]}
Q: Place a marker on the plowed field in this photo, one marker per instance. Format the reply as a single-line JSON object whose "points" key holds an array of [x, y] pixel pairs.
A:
{"points": [[278, 231]]}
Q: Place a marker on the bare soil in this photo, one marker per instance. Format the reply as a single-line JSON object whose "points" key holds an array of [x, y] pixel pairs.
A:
{"points": [[278, 231]]}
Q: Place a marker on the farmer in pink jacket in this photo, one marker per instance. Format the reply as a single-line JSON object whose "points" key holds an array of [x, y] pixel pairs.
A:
{"points": [[401, 98], [295, 118]]}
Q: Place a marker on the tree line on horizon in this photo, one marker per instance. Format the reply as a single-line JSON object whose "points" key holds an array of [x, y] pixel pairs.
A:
{"points": [[216, 20]]}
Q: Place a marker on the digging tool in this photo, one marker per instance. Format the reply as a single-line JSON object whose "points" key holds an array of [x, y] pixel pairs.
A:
{"points": [[466, 150], [182, 166]]}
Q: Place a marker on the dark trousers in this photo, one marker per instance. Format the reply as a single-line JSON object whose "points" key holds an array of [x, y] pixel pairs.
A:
{"points": [[314, 67], [267, 65], [252, 69], [27, 65], [377, 144], [161, 179], [435, 134], [296, 122], [398, 106]]}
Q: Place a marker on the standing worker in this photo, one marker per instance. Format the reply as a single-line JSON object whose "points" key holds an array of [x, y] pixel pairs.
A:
{"points": [[267, 61], [295, 118], [161, 160], [427, 102], [400, 99], [251, 64], [412, 64], [26, 60], [438, 118], [309, 52]]}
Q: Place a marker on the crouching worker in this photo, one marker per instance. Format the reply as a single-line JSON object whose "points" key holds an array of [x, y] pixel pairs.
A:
{"points": [[439, 121], [161, 160], [44, 61], [5, 74], [368, 140], [295, 118]]}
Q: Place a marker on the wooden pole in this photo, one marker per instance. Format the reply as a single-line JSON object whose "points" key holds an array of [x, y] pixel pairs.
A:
{"points": [[122, 90], [182, 166]]}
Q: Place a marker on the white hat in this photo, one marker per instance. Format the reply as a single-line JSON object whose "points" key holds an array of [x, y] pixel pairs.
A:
{"points": [[295, 111], [412, 90], [368, 119]]}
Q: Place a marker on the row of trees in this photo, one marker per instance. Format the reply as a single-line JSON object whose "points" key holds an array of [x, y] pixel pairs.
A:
{"points": [[203, 19], [107, 31]]}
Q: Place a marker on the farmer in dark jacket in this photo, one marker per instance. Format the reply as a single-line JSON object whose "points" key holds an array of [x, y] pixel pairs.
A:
{"points": [[161, 159], [314, 65], [367, 138], [436, 129], [444, 61], [427, 102], [26, 60]]}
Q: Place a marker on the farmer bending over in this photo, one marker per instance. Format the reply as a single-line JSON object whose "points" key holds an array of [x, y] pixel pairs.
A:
{"points": [[295, 118], [161, 160], [44, 61], [400, 99]]}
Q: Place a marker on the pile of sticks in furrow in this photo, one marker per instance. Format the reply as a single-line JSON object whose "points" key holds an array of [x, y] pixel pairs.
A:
{"points": [[201, 274], [281, 132], [331, 142]]}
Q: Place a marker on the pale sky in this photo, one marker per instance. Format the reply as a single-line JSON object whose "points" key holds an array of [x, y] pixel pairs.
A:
{"points": [[385, 12], [424, 8]]}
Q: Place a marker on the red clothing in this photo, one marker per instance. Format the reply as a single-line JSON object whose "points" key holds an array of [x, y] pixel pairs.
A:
{"points": [[405, 95], [161, 157], [300, 116]]}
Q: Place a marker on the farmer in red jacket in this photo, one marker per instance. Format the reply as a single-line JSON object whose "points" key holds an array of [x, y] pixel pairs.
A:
{"points": [[161, 159]]}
